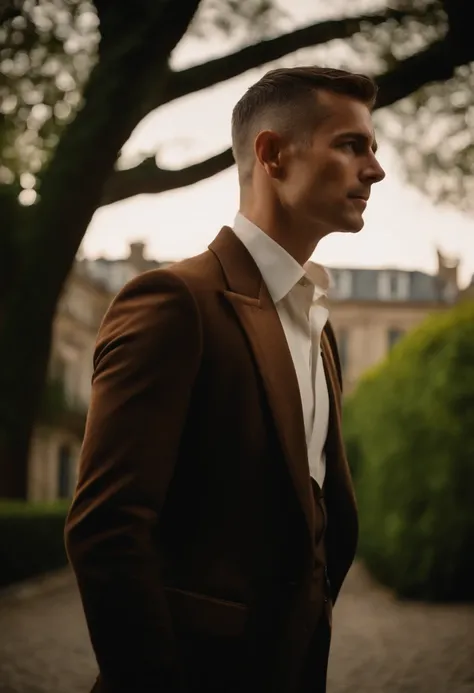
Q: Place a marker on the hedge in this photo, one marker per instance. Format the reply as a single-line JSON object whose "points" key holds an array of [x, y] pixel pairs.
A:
{"points": [[409, 428], [31, 539]]}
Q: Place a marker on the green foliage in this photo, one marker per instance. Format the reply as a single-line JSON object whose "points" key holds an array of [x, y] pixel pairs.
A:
{"points": [[432, 133], [387, 44], [31, 539], [48, 50], [46, 56], [410, 427], [251, 19], [432, 129]]}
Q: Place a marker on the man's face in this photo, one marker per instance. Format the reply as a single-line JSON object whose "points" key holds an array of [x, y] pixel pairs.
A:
{"points": [[327, 180]]}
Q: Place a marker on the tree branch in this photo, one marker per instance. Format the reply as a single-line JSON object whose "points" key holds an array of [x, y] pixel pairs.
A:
{"points": [[219, 70], [460, 15], [71, 186], [435, 63], [147, 177]]}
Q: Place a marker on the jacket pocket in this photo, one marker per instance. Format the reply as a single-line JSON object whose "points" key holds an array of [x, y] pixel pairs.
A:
{"points": [[200, 613]]}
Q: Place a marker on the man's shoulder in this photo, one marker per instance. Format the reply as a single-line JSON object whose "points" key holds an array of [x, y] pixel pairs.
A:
{"points": [[197, 272], [197, 275]]}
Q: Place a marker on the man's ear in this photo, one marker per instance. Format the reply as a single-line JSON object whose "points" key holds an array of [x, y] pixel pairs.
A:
{"points": [[268, 149]]}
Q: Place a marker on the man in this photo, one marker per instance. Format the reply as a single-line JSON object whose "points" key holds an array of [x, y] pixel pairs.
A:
{"points": [[214, 519]]}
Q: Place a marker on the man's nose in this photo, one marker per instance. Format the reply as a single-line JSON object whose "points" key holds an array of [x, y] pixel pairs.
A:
{"points": [[378, 171], [374, 171]]}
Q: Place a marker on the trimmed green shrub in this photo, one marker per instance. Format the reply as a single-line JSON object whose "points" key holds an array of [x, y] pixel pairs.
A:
{"points": [[410, 427], [31, 539]]}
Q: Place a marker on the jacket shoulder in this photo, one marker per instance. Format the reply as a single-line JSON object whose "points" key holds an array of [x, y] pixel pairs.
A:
{"points": [[201, 273]]}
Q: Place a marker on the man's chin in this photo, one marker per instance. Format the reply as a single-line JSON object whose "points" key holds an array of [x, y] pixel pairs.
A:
{"points": [[352, 225]]}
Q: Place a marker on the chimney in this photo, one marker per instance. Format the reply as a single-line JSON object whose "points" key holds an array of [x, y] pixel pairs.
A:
{"points": [[136, 255], [448, 275]]}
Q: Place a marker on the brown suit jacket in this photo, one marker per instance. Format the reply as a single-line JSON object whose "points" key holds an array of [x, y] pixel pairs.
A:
{"points": [[192, 530]]}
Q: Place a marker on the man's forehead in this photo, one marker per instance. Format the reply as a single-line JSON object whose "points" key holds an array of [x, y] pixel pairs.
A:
{"points": [[345, 114]]}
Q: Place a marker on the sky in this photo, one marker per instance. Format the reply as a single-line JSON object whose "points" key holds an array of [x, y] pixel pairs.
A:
{"points": [[403, 228]]}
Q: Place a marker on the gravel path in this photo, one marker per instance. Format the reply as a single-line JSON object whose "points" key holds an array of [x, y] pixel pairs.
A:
{"points": [[379, 645]]}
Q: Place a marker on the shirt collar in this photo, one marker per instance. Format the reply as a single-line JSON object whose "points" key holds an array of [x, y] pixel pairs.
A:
{"points": [[279, 270]]}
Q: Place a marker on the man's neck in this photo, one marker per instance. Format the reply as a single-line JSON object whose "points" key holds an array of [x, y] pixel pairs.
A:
{"points": [[283, 231]]}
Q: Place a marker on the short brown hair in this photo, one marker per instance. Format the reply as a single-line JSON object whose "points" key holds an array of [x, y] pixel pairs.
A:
{"points": [[283, 96]]}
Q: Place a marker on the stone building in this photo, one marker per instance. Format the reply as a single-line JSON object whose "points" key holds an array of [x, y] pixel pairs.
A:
{"points": [[57, 438], [371, 309]]}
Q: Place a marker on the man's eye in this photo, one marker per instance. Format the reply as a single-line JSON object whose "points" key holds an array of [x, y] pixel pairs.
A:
{"points": [[350, 145]]}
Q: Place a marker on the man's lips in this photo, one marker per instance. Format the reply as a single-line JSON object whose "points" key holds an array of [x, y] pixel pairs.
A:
{"points": [[362, 200], [361, 196]]}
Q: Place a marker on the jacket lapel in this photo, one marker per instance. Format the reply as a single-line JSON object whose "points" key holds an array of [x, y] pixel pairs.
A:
{"points": [[330, 370], [257, 314], [337, 472], [342, 533]]}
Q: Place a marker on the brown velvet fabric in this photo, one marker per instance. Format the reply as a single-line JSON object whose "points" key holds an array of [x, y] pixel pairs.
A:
{"points": [[195, 533]]}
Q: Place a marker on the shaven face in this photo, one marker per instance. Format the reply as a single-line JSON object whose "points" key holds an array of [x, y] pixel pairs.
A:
{"points": [[323, 181]]}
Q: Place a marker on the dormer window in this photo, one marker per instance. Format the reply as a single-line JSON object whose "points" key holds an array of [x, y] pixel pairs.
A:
{"points": [[393, 285], [342, 283]]}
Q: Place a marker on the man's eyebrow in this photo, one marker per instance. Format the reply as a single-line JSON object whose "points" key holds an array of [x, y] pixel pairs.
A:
{"points": [[360, 137]]}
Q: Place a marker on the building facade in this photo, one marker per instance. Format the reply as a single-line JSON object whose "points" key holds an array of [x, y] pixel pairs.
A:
{"points": [[371, 309], [58, 435]]}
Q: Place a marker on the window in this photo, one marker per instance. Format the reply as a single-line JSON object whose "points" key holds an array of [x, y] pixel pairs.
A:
{"points": [[394, 286], [342, 283], [394, 336]]}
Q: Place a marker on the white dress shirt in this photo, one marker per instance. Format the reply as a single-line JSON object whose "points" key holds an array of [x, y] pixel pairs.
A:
{"points": [[300, 297]]}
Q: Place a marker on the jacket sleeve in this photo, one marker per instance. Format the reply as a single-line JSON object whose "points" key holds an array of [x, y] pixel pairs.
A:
{"points": [[146, 359]]}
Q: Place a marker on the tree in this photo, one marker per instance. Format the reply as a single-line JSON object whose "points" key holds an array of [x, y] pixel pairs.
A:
{"points": [[411, 423], [71, 98], [432, 129], [72, 181]]}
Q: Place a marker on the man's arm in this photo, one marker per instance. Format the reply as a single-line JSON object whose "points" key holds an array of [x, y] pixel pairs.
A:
{"points": [[145, 363]]}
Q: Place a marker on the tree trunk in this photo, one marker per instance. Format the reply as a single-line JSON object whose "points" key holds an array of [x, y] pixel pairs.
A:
{"points": [[70, 192], [25, 340], [74, 184]]}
